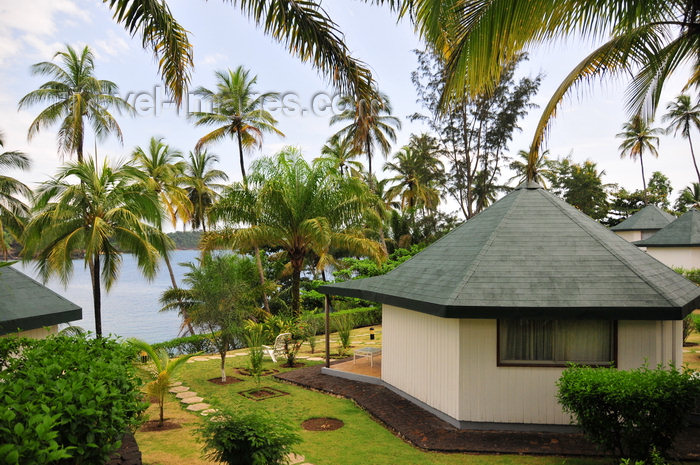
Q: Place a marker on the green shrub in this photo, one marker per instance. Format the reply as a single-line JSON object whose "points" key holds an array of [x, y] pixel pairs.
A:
{"points": [[343, 323], [362, 316], [310, 325], [186, 345], [67, 396], [254, 341], [629, 413], [247, 438]]}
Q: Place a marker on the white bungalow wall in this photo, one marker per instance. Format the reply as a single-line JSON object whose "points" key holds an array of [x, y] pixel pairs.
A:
{"points": [[38, 333], [677, 257], [451, 365], [630, 236]]}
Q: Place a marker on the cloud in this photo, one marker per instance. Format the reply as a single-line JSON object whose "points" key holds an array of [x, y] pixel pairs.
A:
{"points": [[214, 59], [112, 46]]}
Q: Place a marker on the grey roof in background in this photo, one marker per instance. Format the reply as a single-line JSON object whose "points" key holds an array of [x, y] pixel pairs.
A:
{"points": [[683, 232], [26, 304], [648, 218], [531, 255]]}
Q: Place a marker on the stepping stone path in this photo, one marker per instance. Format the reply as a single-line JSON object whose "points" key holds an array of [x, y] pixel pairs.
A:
{"points": [[208, 411], [198, 407], [185, 394], [192, 400], [180, 388], [175, 384]]}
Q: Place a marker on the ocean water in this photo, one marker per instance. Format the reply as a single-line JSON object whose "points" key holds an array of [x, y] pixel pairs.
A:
{"points": [[131, 307]]}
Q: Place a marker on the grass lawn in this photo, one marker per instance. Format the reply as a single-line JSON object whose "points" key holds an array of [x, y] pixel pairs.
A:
{"points": [[361, 441], [691, 354]]}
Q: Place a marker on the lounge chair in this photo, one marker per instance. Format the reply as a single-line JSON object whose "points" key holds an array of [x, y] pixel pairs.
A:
{"points": [[278, 348]]}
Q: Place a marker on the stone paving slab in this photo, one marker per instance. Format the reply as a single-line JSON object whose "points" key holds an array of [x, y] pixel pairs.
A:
{"points": [[207, 412], [177, 389], [198, 407], [185, 394], [176, 384], [295, 458], [191, 400]]}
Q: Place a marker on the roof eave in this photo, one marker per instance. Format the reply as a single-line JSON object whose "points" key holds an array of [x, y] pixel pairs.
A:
{"points": [[40, 321]]}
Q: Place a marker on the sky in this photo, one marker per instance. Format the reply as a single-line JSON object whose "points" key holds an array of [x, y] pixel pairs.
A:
{"points": [[32, 31]]}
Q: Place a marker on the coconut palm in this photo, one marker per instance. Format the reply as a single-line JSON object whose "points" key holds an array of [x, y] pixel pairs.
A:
{"points": [[161, 371], [537, 170], [369, 124], [13, 210], [74, 95], [648, 41], [199, 181], [99, 212], [341, 152], [638, 136], [688, 198], [683, 116], [303, 27], [296, 206], [238, 112]]}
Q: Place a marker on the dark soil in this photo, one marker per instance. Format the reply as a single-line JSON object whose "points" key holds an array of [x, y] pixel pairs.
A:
{"points": [[262, 393], [296, 365], [127, 454], [689, 344], [322, 424], [266, 372], [153, 425], [229, 380]]}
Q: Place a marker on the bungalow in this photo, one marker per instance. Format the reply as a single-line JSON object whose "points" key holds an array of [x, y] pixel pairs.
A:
{"points": [[30, 309], [678, 244], [643, 224], [479, 326]]}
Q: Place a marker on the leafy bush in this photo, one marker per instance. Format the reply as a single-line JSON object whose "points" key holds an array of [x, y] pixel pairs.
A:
{"points": [[254, 341], [343, 323], [66, 397], [186, 345], [310, 325], [247, 438], [361, 316], [629, 413]]}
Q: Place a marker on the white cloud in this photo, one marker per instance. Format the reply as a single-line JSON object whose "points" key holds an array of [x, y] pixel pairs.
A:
{"points": [[112, 46], [214, 59]]}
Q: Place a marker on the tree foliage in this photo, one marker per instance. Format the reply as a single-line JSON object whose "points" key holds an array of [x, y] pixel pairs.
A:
{"points": [[581, 185]]}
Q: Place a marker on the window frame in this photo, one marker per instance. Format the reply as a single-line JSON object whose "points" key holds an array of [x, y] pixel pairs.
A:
{"points": [[539, 364]]}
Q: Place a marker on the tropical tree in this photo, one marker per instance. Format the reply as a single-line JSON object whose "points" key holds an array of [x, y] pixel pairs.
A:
{"points": [[419, 172], [369, 124], [638, 136], [161, 372], [682, 117], [99, 212], [222, 293], [238, 112], [581, 185], [688, 198], [342, 152], [297, 206], [648, 41], [13, 210], [163, 171], [74, 95], [539, 168], [199, 181]]}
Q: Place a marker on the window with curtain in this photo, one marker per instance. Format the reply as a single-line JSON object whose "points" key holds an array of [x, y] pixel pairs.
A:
{"points": [[556, 342]]}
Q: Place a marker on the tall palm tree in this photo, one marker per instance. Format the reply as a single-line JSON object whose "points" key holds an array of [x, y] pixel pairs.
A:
{"points": [[419, 171], [238, 112], [13, 210], [163, 171], [341, 152], [74, 95], [369, 123], [98, 211], [688, 198], [299, 207], [683, 116], [638, 136], [536, 169], [199, 181], [649, 41], [303, 27]]}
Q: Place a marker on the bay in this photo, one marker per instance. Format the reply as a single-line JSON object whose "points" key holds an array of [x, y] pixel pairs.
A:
{"points": [[131, 307]]}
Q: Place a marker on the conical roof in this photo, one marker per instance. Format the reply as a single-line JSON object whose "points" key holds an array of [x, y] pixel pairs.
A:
{"points": [[648, 218], [531, 255], [683, 232]]}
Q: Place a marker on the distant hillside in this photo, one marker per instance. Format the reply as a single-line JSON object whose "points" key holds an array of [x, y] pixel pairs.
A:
{"points": [[185, 240]]}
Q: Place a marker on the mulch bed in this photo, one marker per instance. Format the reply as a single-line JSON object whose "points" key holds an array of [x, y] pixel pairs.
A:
{"points": [[296, 365], [265, 372], [229, 380], [153, 425], [322, 424], [127, 454], [262, 393], [426, 431]]}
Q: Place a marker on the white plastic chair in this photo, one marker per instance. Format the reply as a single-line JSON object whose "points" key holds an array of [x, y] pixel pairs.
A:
{"points": [[278, 348]]}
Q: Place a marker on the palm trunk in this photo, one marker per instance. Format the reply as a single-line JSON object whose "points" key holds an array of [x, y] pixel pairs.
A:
{"points": [[369, 161], [296, 283], [240, 158], [692, 154], [261, 275], [644, 181], [96, 297], [79, 150], [162, 403], [190, 329]]}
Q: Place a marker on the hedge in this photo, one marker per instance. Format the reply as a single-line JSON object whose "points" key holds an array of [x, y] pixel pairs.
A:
{"points": [[186, 345], [362, 316]]}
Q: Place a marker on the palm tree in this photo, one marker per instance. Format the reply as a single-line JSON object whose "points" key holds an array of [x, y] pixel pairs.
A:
{"points": [[298, 207], [74, 94], [13, 211], [163, 170], [341, 152], [537, 170], [97, 211], [683, 116], [688, 198], [419, 171], [648, 42], [199, 182], [638, 137], [304, 28], [161, 372], [238, 112], [369, 124]]}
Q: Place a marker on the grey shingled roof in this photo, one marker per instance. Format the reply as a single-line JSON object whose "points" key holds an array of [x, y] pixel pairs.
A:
{"points": [[648, 218], [531, 255], [684, 232], [26, 304]]}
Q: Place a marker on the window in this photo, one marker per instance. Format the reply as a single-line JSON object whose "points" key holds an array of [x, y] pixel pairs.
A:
{"points": [[555, 342]]}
